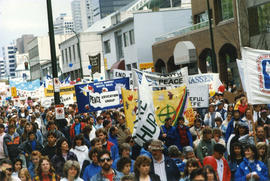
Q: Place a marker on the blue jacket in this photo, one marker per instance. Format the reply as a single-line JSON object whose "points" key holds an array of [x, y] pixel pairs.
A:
{"points": [[177, 138], [100, 177], [113, 139], [169, 140], [230, 129], [247, 167], [31, 169], [180, 164], [172, 172], [90, 171]]}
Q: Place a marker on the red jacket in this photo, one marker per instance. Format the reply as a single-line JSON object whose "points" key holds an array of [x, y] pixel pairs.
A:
{"points": [[72, 129], [210, 160]]}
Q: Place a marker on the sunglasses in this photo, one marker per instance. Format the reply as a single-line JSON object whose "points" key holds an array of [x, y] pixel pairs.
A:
{"points": [[103, 159]]}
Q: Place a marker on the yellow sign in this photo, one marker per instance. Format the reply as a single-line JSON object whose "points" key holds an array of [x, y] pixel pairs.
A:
{"points": [[13, 92], [63, 91], [105, 63], [144, 66], [130, 106]]}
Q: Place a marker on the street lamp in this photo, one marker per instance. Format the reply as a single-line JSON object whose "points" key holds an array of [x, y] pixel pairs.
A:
{"points": [[214, 61], [79, 49]]}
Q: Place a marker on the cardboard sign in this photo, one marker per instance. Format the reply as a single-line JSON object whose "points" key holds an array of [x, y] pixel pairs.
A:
{"points": [[59, 112], [198, 95]]}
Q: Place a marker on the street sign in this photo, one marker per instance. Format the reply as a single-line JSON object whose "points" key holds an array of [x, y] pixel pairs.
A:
{"points": [[56, 84]]}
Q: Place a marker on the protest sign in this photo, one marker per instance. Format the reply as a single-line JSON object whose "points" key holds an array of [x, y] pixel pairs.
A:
{"points": [[22, 85], [211, 79], [145, 127], [198, 95], [130, 101], [66, 90], [117, 73], [64, 99], [174, 79], [257, 75], [59, 112], [100, 95]]}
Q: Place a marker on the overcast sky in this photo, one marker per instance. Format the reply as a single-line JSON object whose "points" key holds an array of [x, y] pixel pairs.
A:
{"points": [[19, 17]]}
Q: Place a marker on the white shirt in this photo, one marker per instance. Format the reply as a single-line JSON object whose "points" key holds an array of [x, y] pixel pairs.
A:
{"points": [[77, 179], [220, 167], [2, 154], [159, 168]]}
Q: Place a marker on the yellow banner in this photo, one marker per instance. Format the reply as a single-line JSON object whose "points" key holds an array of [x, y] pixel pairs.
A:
{"points": [[13, 92], [130, 106], [63, 91], [168, 103]]}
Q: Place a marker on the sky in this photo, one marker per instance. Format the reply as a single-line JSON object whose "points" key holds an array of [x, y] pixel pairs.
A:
{"points": [[18, 17]]}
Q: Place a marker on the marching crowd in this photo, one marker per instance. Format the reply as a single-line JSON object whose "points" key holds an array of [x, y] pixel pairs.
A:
{"points": [[226, 142]]}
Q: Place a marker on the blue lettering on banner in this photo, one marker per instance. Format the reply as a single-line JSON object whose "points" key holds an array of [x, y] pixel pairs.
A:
{"points": [[201, 79]]}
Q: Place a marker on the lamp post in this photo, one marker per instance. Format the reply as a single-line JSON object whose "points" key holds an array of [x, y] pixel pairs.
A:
{"points": [[52, 48], [79, 49], [213, 54]]}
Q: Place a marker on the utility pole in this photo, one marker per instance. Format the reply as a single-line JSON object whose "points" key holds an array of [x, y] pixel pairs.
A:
{"points": [[53, 52], [213, 53]]}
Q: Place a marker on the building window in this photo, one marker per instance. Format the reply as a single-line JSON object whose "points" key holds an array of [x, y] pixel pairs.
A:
{"points": [[259, 19], [202, 17], [74, 53], [225, 9], [107, 46], [125, 39], [128, 67], [131, 37], [66, 55], [134, 65], [62, 52], [69, 51]]}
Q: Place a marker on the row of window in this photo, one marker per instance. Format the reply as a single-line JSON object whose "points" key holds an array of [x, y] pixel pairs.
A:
{"points": [[67, 54], [128, 37]]}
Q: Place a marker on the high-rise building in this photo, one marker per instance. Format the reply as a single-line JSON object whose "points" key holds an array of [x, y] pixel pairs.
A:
{"points": [[77, 15], [22, 42], [63, 25], [9, 54], [102, 8], [2, 67]]}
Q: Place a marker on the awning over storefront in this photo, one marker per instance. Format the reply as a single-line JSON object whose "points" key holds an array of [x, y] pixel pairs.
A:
{"points": [[119, 65]]}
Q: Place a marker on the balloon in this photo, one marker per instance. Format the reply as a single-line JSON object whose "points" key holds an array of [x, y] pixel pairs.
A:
{"points": [[78, 79], [212, 93], [70, 65], [95, 80], [101, 78], [89, 67]]}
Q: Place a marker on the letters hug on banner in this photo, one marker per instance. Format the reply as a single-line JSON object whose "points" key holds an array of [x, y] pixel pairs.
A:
{"points": [[100, 95]]}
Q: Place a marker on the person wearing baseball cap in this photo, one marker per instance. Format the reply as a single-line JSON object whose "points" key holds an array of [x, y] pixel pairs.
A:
{"points": [[163, 166], [219, 163]]}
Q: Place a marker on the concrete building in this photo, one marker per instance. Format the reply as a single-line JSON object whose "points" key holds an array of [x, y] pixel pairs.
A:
{"points": [[76, 15], [9, 55], [2, 67], [39, 54], [129, 40], [63, 25], [22, 42], [226, 41], [87, 13]]}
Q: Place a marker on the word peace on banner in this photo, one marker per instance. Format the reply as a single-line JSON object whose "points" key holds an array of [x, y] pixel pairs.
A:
{"points": [[100, 95]]}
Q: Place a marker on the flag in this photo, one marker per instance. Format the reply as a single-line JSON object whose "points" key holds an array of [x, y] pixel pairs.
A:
{"points": [[256, 75], [67, 80], [145, 127]]}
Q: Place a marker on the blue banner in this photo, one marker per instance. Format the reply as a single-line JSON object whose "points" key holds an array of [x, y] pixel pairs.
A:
{"points": [[100, 95], [27, 86]]}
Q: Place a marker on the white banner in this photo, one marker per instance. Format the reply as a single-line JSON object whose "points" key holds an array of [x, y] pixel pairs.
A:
{"points": [[64, 99], [212, 79], [145, 127], [174, 79], [104, 99], [257, 75], [117, 73], [240, 65], [198, 95]]}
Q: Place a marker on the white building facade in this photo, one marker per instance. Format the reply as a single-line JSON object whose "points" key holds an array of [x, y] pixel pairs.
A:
{"points": [[131, 39], [63, 25], [76, 15], [2, 68], [22, 69], [9, 56]]}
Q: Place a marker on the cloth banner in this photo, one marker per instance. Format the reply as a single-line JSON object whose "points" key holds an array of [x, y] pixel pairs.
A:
{"points": [[257, 75], [28, 86], [100, 95], [173, 103], [117, 73], [130, 101], [198, 95], [65, 90], [95, 63], [240, 65], [174, 79], [145, 127], [212, 79], [64, 99]]}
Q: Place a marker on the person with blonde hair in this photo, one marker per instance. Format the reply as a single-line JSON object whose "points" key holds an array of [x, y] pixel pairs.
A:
{"points": [[24, 175], [71, 171], [262, 152]]}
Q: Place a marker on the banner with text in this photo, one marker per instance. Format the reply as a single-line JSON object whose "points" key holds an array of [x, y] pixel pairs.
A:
{"points": [[117, 73], [211, 79], [64, 99], [100, 95], [257, 75], [198, 95]]}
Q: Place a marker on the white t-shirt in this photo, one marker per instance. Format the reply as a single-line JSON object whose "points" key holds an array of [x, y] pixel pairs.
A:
{"points": [[220, 166]]}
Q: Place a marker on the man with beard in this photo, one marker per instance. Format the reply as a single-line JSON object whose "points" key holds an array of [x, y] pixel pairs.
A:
{"points": [[107, 172]]}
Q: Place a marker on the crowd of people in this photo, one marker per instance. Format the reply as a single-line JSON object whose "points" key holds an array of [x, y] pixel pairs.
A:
{"points": [[226, 142]]}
